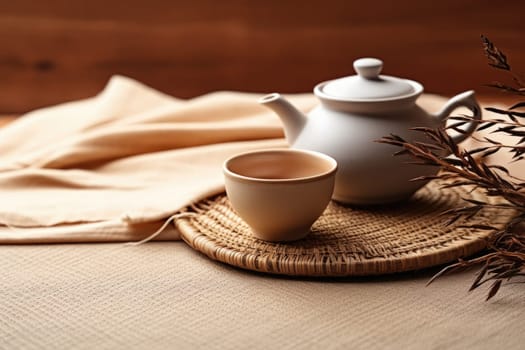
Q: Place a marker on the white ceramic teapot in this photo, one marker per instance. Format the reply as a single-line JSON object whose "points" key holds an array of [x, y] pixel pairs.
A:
{"points": [[354, 113]]}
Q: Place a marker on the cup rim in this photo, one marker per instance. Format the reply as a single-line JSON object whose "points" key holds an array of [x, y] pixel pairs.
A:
{"points": [[316, 177]]}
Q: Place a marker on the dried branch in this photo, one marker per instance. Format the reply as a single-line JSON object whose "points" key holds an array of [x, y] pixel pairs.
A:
{"points": [[498, 60], [504, 261]]}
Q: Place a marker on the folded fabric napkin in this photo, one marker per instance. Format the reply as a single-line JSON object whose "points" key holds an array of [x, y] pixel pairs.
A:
{"points": [[114, 167]]}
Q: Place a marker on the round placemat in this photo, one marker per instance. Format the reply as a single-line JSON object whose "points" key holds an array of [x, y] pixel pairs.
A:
{"points": [[345, 240]]}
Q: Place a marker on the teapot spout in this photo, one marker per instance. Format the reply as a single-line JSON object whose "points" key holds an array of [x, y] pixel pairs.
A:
{"points": [[293, 120]]}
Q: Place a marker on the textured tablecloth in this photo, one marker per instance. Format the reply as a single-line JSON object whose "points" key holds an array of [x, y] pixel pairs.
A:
{"points": [[166, 296]]}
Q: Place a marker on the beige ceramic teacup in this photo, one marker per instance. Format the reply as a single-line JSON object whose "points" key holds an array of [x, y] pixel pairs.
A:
{"points": [[280, 193]]}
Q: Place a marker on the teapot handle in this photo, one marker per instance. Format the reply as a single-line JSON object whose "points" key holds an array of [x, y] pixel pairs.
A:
{"points": [[464, 99]]}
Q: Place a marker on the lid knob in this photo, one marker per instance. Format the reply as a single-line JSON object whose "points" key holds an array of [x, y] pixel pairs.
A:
{"points": [[368, 68]]}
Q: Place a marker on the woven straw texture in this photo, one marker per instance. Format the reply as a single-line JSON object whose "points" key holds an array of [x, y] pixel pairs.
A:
{"points": [[346, 241]]}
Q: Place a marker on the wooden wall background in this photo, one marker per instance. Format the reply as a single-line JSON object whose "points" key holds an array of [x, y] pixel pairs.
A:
{"points": [[59, 50]]}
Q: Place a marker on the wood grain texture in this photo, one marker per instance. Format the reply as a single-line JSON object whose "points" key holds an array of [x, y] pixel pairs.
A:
{"points": [[59, 50]]}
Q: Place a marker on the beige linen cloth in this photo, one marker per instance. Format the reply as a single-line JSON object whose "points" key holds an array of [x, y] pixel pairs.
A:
{"points": [[114, 167]]}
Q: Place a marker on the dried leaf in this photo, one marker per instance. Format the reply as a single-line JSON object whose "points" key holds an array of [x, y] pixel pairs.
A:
{"points": [[496, 58], [477, 282], [492, 141], [486, 125], [494, 289], [507, 88], [517, 105], [478, 150], [490, 152], [499, 167]]}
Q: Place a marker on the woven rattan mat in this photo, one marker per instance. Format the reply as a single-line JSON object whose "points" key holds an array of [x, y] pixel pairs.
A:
{"points": [[346, 241]]}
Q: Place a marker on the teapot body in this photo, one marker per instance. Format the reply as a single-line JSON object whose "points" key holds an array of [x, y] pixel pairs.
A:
{"points": [[369, 172], [354, 113]]}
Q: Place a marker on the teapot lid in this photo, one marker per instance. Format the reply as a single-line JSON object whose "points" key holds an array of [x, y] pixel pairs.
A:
{"points": [[368, 84]]}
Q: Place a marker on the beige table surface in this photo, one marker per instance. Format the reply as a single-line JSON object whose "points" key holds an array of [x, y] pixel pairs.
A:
{"points": [[165, 295]]}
